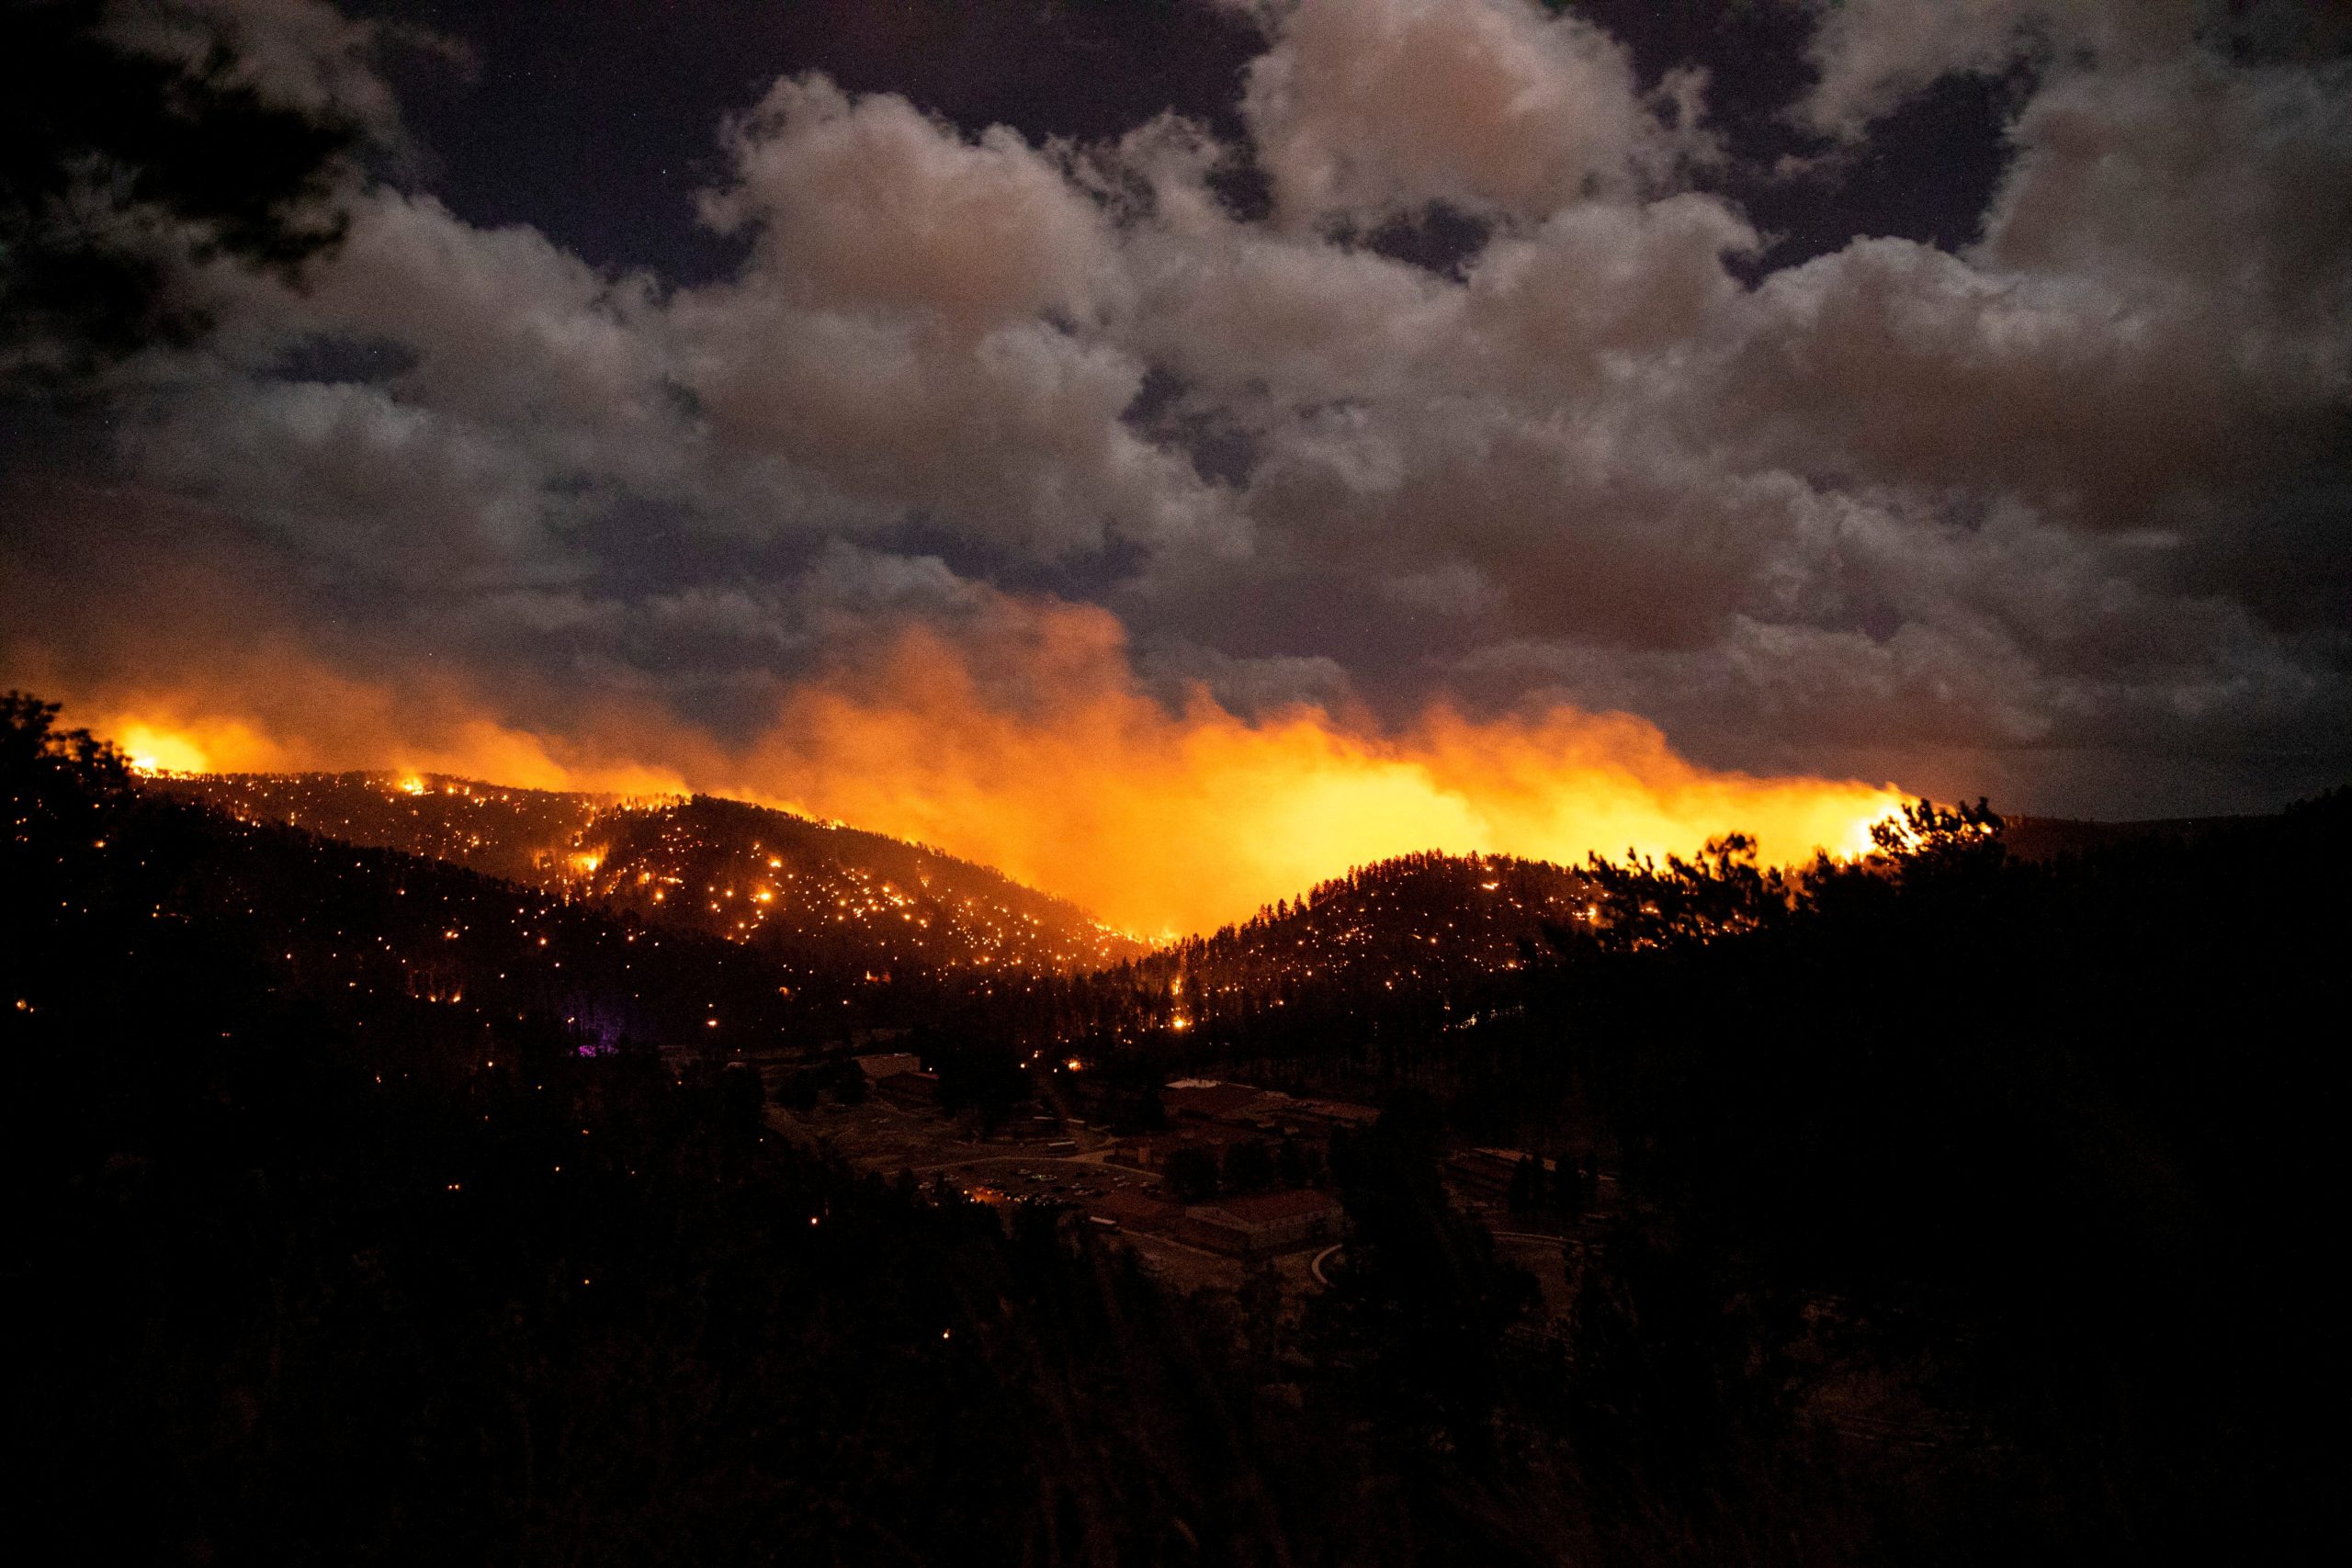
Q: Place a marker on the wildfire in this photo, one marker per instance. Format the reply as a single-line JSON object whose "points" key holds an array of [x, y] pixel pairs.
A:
{"points": [[1184, 821], [165, 748], [1084, 783]]}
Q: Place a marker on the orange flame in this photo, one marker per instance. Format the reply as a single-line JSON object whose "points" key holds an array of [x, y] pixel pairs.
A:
{"points": [[1168, 822], [1083, 784]]}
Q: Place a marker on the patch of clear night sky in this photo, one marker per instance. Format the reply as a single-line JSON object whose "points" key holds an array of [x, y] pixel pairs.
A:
{"points": [[596, 122]]}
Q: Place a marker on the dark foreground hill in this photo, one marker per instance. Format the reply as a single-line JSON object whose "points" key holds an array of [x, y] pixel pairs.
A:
{"points": [[1962, 1210], [828, 899], [1990, 1182]]}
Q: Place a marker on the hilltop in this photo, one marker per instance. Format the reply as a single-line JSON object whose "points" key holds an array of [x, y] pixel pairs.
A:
{"points": [[1401, 950], [1418, 919], [754, 874], [820, 896], [522, 835], [398, 941]]}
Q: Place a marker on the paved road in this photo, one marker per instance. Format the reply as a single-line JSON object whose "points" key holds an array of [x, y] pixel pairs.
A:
{"points": [[1036, 1162]]}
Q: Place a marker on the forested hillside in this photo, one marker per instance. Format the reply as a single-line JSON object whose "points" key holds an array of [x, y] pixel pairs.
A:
{"points": [[1365, 970], [523, 835], [800, 887], [831, 901]]}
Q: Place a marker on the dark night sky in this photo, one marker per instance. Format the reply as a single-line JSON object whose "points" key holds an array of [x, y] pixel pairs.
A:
{"points": [[593, 123], [1949, 393]]}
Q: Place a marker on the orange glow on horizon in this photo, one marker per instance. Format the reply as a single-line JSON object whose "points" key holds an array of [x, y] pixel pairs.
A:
{"points": [[172, 749], [1159, 822], [188, 735], [1166, 823]]}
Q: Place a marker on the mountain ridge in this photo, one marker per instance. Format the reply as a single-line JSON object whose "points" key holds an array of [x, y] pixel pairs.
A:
{"points": [[748, 873]]}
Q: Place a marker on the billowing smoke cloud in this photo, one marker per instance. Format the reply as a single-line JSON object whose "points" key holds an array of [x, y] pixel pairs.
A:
{"points": [[1012, 731], [2058, 516]]}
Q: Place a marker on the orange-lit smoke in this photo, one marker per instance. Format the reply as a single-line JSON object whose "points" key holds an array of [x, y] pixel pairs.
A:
{"points": [[1075, 780], [281, 713], [1167, 822]]}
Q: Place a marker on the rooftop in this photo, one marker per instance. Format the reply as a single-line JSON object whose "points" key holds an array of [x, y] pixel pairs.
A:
{"points": [[1264, 1208], [889, 1064], [1196, 1098]]}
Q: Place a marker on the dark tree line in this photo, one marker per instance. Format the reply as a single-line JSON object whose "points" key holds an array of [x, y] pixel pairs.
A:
{"points": [[2053, 1137], [1965, 1203]]}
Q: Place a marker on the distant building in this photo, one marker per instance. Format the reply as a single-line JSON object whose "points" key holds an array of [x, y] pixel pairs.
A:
{"points": [[1327, 1115], [1261, 1225], [1205, 1100], [1133, 1210], [1150, 1151], [1266, 1111], [888, 1064], [1490, 1170], [915, 1089]]}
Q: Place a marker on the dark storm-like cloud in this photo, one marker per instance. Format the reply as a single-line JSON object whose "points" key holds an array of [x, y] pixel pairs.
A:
{"points": [[2074, 491]]}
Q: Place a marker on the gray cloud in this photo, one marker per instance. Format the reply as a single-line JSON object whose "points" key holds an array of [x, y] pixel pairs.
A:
{"points": [[2046, 510], [1370, 109], [1871, 54]]}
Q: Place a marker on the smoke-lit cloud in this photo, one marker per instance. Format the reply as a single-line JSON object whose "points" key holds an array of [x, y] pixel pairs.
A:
{"points": [[2059, 515]]}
